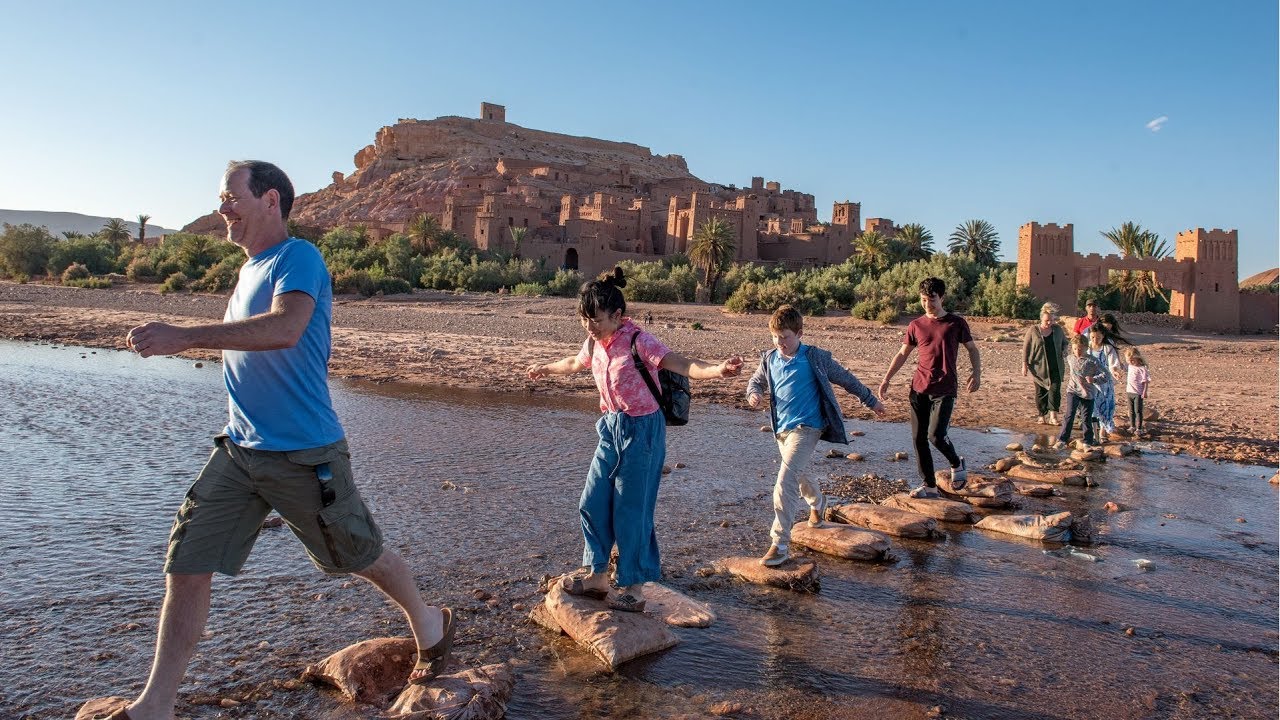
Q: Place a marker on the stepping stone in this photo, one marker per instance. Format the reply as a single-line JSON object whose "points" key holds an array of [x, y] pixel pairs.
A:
{"points": [[472, 693], [1087, 455], [676, 608], [799, 574], [1033, 489], [1012, 447], [1004, 463], [1056, 477], [101, 707], [936, 508], [613, 636], [370, 671], [888, 520], [843, 541], [981, 490], [1119, 450], [1048, 461], [1049, 528]]}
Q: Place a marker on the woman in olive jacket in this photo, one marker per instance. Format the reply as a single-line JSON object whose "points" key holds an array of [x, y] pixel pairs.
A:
{"points": [[1043, 349]]}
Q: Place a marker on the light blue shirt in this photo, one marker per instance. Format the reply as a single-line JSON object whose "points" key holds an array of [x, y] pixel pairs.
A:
{"points": [[795, 391], [279, 399]]}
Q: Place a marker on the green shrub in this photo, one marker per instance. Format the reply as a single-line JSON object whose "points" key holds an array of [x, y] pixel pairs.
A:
{"points": [[352, 282], [25, 249], [93, 253], [75, 271], [565, 283], [768, 295], [529, 289], [685, 280], [89, 282], [174, 283], [140, 269], [167, 267], [222, 276], [998, 293]]}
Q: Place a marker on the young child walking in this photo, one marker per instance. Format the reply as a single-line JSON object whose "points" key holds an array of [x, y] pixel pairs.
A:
{"points": [[1083, 376], [618, 500], [803, 410], [1136, 385]]}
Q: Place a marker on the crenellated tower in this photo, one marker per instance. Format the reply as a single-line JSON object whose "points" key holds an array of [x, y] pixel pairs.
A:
{"points": [[1212, 299], [1046, 262]]}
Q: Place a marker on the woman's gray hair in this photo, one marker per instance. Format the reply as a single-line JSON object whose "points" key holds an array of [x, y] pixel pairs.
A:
{"points": [[1051, 308]]}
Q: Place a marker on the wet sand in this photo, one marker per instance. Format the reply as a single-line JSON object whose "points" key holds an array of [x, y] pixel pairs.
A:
{"points": [[1216, 394]]}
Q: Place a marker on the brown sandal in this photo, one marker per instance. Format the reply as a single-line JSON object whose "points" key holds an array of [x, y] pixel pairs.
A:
{"points": [[121, 714], [574, 586], [434, 658], [627, 603]]}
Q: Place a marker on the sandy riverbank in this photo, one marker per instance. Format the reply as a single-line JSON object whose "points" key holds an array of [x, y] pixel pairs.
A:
{"points": [[1216, 395]]}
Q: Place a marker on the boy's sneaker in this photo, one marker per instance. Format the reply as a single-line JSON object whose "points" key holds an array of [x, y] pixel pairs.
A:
{"points": [[775, 557], [924, 491], [959, 476], [819, 513], [1059, 445]]}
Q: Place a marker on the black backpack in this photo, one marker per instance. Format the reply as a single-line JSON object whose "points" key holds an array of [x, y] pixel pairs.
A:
{"points": [[674, 396]]}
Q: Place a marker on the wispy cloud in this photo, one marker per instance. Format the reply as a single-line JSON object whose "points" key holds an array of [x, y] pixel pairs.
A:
{"points": [[1155, 125]]}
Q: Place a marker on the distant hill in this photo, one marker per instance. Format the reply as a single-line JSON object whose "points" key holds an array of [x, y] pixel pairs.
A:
{"points": [[59, 222]]}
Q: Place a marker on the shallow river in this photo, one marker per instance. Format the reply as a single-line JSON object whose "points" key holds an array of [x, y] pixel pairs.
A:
{"points": [[479, 492]]}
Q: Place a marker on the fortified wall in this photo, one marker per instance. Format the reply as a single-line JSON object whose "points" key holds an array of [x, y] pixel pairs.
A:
{"points": [[1202, 276]]}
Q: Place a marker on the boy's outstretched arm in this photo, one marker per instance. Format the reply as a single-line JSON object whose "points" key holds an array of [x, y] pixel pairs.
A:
{"points": [[894, 367], [696, 369]]}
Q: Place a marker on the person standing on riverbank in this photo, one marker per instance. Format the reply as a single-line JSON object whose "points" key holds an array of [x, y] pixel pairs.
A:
{"points": [[939, 335], [283, 447], [1043, 348], [621, 492], [803, 410]]}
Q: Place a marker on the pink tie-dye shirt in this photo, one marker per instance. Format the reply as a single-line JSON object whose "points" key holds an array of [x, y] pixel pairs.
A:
{"points": [[620, 385]]}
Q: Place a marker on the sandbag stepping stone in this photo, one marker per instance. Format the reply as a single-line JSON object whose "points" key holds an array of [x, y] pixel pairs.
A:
{"points": [[799, 574], [1033, 489], [1005, 463], [980, 490], [1049, 528], [101, 707], [471, 693], [1045, 461], [613, 636], [888, 520], [370, 671], [1045, 475], [1119, 450], [1086, 454], [936, 508], [842, 541], [676, 608]]}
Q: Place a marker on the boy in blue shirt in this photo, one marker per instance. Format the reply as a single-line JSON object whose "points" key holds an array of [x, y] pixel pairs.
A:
{"points": [[804, 410]]}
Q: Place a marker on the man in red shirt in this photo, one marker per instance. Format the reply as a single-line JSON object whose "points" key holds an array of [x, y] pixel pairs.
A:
{"points": [[939, 335], [1090, 317]]}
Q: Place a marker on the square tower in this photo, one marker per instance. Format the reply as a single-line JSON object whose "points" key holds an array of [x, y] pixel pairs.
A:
{"points": [[1046, 262], [492, 111], [1212, 300]]}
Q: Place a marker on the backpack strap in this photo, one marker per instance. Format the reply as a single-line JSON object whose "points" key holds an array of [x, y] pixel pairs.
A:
{"points": [[644, 371]]}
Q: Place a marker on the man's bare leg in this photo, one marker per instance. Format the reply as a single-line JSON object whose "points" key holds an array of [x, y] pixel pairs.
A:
{"points": [[182, 621], [391, 574]]}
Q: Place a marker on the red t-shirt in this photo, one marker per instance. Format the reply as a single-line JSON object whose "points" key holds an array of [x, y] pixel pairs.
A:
{"points": [[938, 340], [1082, 323]]}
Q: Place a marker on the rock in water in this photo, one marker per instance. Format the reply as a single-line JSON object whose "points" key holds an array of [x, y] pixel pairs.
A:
{"points": [[888, 520], [101, 707], [844, 541], [676, 608], [469, 694], [982, 491], [1050, 528], [799, 574], [1085, 454], [1030, 489], [1003, 464], [369, 671], [1013, 447], [1057, 477], [611, 635], [1119, 450], [936, 508]]}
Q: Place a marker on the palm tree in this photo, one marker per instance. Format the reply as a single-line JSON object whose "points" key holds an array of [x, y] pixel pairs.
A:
{"points": [[917, 240], [115, 232], [1138, 286], [979, 239], [712, 250], [517, 235], [871, 251], [424, 233], [142, 227]]}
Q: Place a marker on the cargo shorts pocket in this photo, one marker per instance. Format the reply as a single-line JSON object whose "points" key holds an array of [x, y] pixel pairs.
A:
{"points": [[352, 539]]}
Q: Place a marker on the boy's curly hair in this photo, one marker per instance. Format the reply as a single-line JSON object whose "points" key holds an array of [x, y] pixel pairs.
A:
{"points": [[786, 317]]}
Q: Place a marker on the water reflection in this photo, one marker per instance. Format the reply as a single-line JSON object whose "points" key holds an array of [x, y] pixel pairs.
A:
{"points": [[479, 491]]}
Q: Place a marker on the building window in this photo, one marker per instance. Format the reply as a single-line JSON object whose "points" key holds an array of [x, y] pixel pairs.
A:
{"points": [[511, 221]]}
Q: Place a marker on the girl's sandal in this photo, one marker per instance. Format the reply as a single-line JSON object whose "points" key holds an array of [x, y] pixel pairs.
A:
{"points": [[432, 660], [627, 603], [575, 586]]}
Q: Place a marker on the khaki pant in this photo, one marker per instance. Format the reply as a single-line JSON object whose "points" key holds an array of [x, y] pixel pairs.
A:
{"points": [[796, 447]]}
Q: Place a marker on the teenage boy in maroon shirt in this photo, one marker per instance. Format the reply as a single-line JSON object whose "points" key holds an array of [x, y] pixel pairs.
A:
{"points": [[939, 335]]}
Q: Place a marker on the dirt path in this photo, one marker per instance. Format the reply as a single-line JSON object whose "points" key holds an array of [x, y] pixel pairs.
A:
{"points": [[1216, 395]]}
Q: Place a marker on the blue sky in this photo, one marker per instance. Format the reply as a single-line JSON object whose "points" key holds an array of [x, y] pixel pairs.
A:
{"points": [[930, 112]]}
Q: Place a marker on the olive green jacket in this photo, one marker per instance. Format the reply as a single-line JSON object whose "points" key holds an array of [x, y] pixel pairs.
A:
{"points": [[1039, 351]]}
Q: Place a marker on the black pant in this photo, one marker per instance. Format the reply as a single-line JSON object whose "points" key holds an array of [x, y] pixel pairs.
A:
{"points": [[1075, 404], [1135, 412], [934, 413], [1049, 399]]}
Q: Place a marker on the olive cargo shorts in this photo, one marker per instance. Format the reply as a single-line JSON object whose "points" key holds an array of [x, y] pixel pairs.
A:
{"points": [[224, 509]]}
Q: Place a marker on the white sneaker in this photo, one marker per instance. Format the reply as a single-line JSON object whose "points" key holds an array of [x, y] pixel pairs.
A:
{"points": [[818, 513], [959, 476], [775, 557], [924, 491]]}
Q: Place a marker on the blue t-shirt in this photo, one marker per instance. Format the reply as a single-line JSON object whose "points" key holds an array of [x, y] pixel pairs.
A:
{"points": [[279, 399], [795, 391]]}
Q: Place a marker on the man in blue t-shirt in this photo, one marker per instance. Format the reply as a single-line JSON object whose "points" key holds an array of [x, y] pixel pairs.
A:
{"points": [[283, 447]]}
